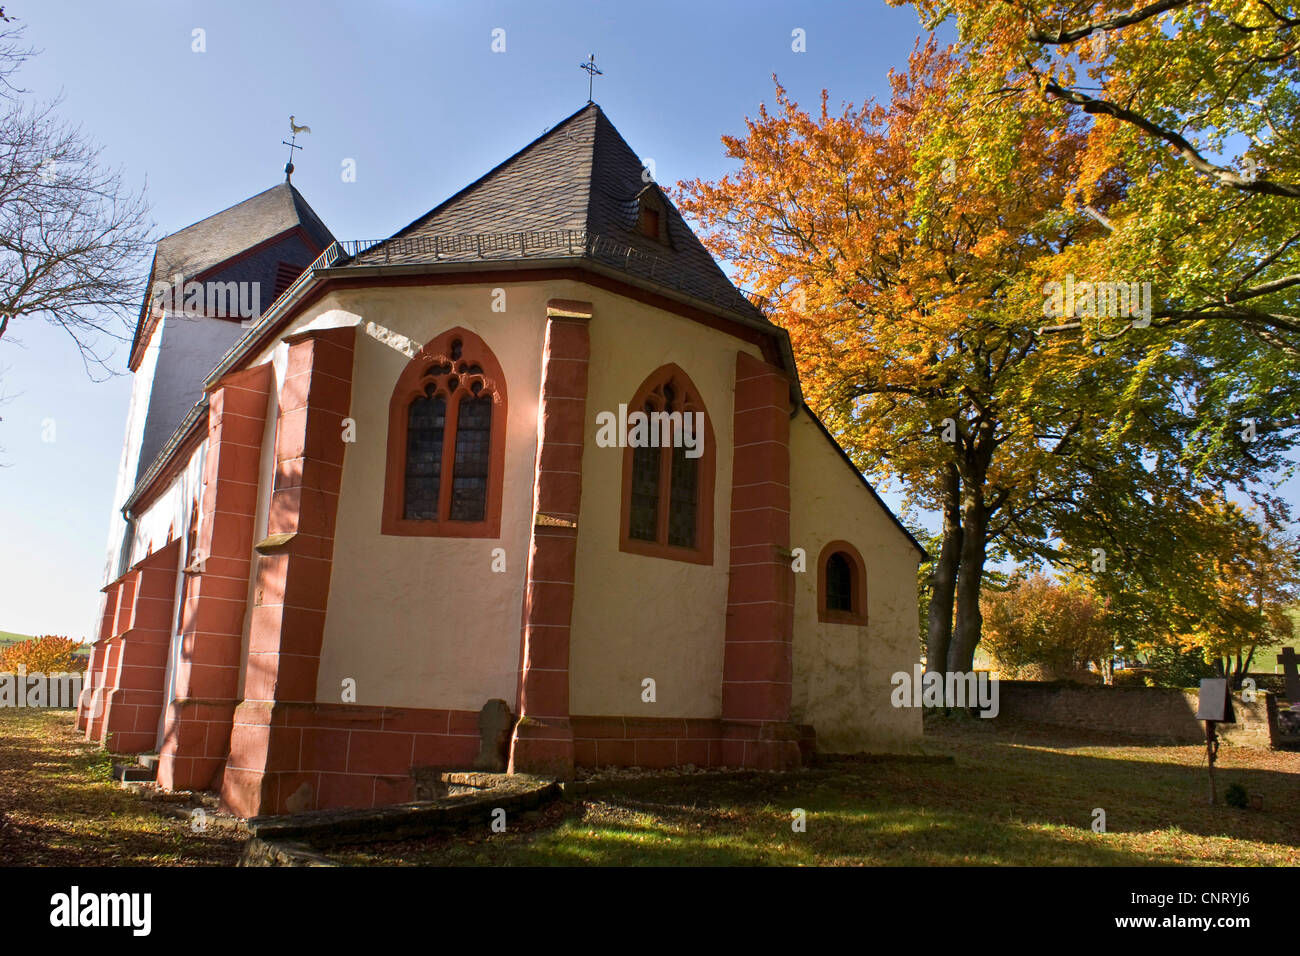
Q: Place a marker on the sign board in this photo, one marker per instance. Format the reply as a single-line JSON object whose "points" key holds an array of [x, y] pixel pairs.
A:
{"points": [[1215, 701]]}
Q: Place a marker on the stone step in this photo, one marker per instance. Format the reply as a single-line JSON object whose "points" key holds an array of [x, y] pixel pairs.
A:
{"points": [[478, 779], [402, 821]]}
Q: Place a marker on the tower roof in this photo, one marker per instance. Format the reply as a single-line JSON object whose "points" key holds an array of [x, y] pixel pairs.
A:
{"points": [[577, 190], [205, 245], [209, 242]]}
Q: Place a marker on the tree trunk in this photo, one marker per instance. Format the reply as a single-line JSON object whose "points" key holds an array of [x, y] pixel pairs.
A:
{"points": [[943, 579], [970, 574]]}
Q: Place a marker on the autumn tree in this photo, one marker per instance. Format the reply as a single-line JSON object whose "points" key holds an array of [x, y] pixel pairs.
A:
{"points": [[1191, 108], [898, 253], [1233, 592], [1060, 627], [47, 654]]}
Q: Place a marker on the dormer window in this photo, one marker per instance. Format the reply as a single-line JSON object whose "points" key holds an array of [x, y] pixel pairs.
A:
{"points": [[649, 222], [651, 216]]}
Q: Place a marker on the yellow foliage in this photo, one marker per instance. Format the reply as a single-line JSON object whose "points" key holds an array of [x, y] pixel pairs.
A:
{"points": [[44, 655]]}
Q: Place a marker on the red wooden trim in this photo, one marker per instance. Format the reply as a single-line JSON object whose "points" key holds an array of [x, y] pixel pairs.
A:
{"points": [[702, 553], [859, 585], [411, 385]]}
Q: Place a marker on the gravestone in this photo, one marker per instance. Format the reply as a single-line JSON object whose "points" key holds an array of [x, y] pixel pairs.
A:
{"points": [[1288, 660], [494, 724]]}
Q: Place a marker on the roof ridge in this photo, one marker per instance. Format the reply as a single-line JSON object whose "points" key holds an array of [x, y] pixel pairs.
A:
{"points": [[609, 124], [590, 183]]}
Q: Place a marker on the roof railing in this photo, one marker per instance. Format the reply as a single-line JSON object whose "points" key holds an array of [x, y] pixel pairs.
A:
{"points": [[578, 243]]}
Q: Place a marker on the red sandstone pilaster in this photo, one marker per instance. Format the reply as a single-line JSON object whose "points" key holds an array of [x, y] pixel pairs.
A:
{"points": [[91, 706], [288, 624], [124, 594], [197, 726], [542, 741], [133, 704], [757, 656]]}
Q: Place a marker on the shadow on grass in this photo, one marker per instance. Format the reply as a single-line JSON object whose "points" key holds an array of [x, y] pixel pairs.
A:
{"points": [[1018, 798]]}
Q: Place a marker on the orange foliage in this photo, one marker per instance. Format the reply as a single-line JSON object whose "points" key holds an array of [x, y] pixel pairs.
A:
{"points": [[44, 655]]}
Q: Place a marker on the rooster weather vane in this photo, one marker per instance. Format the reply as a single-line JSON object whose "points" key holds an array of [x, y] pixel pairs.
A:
{"points": [[292, 143]]}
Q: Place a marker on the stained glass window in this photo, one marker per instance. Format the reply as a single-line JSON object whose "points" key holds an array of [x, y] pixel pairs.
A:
{"points": [[665, 498], [644, 520], [425, 423], [473, 455], [683, 499]]}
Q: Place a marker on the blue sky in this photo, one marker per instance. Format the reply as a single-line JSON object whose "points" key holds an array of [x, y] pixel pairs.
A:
{"points": [[414, 94]]}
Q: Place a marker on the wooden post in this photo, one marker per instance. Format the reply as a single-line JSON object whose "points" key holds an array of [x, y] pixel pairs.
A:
{"points": [[1211, 752], [1214, 706]]}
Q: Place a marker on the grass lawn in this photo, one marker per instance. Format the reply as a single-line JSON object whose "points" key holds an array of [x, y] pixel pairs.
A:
{"points": [[1015, 796], [60, 807]]}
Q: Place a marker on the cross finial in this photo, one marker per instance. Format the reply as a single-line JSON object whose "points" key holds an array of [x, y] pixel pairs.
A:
{"points": [[592, 71]]}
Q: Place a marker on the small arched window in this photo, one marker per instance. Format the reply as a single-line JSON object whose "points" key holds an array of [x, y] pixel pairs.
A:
{"points": [[446, 441], [841, 585], [668, 471]]}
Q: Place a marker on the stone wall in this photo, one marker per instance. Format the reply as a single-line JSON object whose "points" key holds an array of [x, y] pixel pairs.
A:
{"points": [[1157, 712]]}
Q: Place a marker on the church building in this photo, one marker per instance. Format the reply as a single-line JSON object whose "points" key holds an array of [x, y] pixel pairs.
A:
{"points": [[533, 457]]}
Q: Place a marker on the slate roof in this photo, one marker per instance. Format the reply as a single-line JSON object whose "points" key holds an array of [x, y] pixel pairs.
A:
{"points": [[211, 241], [572, 192], [198, 248]]}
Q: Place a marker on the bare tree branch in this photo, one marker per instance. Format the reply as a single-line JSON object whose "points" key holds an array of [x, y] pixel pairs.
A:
{"points": [[73, 238]]}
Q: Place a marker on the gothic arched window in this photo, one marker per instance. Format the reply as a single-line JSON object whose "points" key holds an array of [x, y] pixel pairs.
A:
{"points": [[446, 441], [668, 471]]}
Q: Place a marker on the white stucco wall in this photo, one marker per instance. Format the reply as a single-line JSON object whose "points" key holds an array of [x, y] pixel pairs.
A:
{"points": [[141, 386], [265, 482], [423, 621], [842, 672], [635, 616], [190, 347], [170, 510], [420, 621]]}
